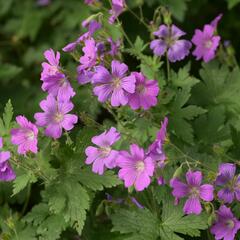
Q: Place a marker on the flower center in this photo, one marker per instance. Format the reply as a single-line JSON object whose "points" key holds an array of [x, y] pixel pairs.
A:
{"points": [[140, 166], [140, 88], [63, 82], [30, 135], [230, 224], [208, 44], [194, 192], [170, 40], [105, 151], [58, 117], [52, 70], [116, 82]]}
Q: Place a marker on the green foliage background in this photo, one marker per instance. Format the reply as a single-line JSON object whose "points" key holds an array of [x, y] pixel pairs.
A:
{"points": [[53, 204]]}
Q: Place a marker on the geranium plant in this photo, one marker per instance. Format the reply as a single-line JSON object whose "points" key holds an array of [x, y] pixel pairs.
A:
{"points": [[130, 142]]}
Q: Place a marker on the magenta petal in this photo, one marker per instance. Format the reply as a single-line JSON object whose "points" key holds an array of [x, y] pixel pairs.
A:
{"points": [[142, 181], [194, 178], [180, 189], [128, 175], [192, 206], [54, 131], [69, 121], [159, 47], [128, 84], [118, 97], [206, 192], [119, 69], [226, 195], [98, 166]]}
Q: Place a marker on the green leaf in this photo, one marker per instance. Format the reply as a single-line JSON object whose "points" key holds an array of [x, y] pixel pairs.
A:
{"points": [[37, 215], [5, 122], [22, 181], [137, 48], [232, 3], [180, 114], [174, 220], [98, 182], [214, 130], [125, 221], [220, 87], [52, 227], [182, 78], [77, 204]]}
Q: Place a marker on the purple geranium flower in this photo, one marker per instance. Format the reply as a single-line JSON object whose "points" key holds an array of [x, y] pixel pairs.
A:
{"points": [[59, 86], [169, 42], [206, 42], [51, 67], [6, 171], [193, 190], [87, 61], [25, 136], [226, 226], [215, 21], [92, 26], [155, 150], [54, 80], [103, 155], [226, 177], [117, 9], [136, 168], [114, 46], [55, 116], [145, 94], [115, 86]]}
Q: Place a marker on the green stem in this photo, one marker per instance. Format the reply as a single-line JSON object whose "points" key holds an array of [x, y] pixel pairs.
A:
{"points": [[138, 18], [27, 200], [194, 161], [168, 68], [15, 232], [125, 35]]}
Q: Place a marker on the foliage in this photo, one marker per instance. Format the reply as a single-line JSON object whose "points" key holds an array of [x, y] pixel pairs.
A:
{"points": [[55, 194]]}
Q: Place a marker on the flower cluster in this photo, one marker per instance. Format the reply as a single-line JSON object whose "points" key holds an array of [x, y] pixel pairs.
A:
{"points": [[113, 83], [226, 225], [136, 167], [176, 49]]}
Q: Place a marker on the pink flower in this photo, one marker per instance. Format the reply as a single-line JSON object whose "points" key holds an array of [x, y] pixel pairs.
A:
{"points": [[115, 86], [117, 9], [206, 42], [87, 61], [54, 80], [55, 116], [193, 190], [25, 136], [136, 168], [51, 67], [103, 155], [145, 94], [6, 171], [226, 226], [155, 150], [92, 27], [169, 42]]}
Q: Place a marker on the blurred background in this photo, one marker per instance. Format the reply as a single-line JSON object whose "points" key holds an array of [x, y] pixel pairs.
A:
{"points": [[29, 27]]}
